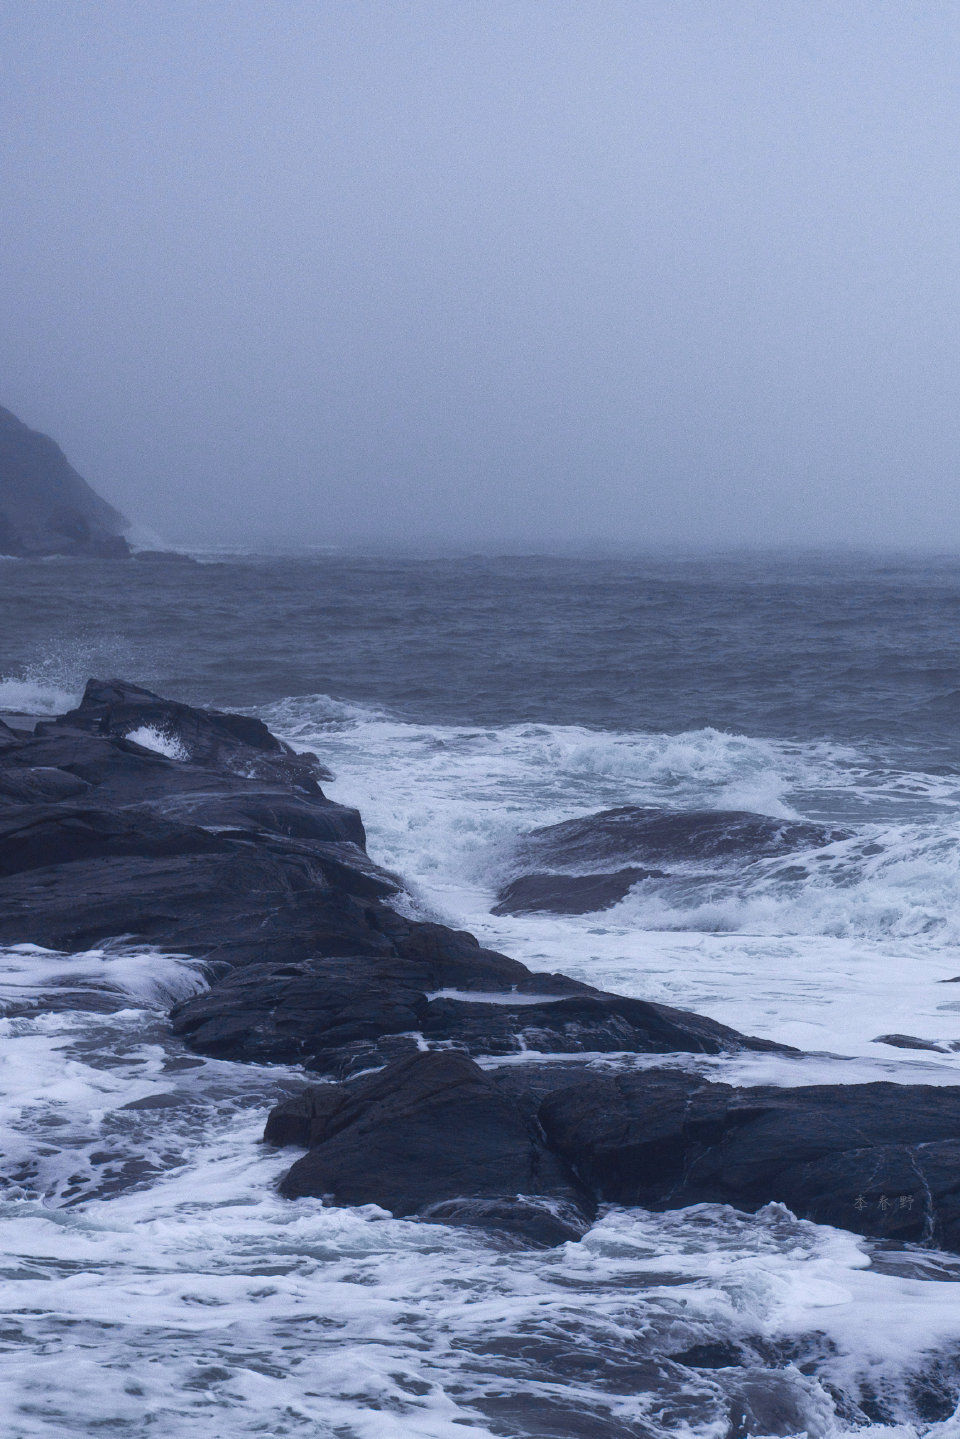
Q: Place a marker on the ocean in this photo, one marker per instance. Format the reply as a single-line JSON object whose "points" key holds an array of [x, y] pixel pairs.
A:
{"points": [[155, 1284]]}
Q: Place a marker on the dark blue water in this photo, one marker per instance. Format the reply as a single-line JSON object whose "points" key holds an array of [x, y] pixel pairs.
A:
{"points": [[840, 647]]}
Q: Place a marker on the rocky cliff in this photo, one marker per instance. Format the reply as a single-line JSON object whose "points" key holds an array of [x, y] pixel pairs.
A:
{"points": [[46, 508]]}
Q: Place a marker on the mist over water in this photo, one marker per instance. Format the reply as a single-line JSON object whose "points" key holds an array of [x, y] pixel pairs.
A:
{"points": [[641, 272]]}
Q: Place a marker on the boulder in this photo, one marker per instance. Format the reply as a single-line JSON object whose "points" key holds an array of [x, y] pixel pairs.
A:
{"points": [[238, 744], [432, 1136]]}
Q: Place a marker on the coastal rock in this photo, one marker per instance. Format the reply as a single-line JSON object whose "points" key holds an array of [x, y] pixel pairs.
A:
{"points": [[201, 851], [102, 837], [569, 893], [642, 834], [145, 819], [37, 836], [332, 1013], [909, 1041], [433, 1136], [232, 907], [234, 743], [880, 1159], [45, 506]]}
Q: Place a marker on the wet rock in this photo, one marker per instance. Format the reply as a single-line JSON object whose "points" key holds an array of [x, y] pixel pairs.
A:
{"points": [[333, 1014], [880, 1159], [136, 818], [34, 784], [235, 743], [433, 1137], [232, 907], [268, 812], [639, 834], [909, 1041], [33, 837], [569, 893], [101, 837], [300, 1012], [586, 1022]]}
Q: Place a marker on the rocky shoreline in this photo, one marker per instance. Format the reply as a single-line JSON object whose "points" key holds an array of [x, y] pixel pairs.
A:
{"points": [[446, 1089]]}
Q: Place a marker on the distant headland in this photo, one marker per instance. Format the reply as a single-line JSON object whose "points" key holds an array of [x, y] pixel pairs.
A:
{"points": [[46, 508]]}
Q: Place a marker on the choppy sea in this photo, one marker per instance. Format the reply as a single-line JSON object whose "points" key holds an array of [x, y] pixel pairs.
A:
{"points": [[154, 1284]]}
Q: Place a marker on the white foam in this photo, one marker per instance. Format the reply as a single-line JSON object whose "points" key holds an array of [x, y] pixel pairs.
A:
{"points": [[191, 1300], [35, 697], [149, 737], [511, 997]]}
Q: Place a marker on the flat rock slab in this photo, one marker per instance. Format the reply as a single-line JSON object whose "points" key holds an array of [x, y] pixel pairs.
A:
{"points": [[880, 1159], [433, 1129]]}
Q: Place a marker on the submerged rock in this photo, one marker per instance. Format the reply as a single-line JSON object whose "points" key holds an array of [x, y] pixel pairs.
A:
{"points": [[909, 1041], [634, 837], [45, 506], [569, 893], [641, 834]]}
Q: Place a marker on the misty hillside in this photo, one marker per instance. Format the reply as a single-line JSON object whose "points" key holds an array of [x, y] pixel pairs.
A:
{"points": [[46, 508]]}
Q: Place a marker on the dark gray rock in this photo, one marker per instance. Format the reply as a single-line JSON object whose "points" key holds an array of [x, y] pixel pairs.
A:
{"points": [[909, 1041], [586, 1022], [569, 893], [233, 743], [35, 784], [639, 834], [232, 907], [261, 812], [433, 1136], [233, 853], [45, 507], [38, 836], [331, 1014], [304, 1012], [880, 1159]]}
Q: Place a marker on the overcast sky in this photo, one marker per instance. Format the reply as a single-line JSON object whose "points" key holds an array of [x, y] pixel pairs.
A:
{"points": [[514, 271]]}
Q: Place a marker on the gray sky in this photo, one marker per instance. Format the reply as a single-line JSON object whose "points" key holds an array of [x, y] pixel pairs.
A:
{"points": [[515, 270]]}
